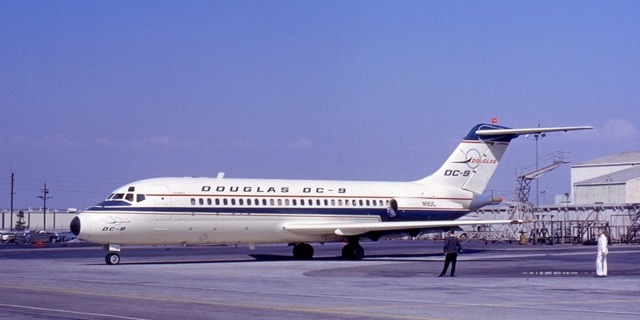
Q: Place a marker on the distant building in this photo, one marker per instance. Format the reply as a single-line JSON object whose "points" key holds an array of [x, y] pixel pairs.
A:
{"points": [[613, 179]]}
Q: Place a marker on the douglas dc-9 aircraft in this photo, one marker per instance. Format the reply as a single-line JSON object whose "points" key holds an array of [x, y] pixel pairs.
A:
{"points": [[208, 211]]}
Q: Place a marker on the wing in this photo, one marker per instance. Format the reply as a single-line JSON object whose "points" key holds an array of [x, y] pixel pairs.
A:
{"points": [[354, 229]]}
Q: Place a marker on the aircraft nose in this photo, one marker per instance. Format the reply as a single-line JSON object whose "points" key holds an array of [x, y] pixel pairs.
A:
{"points": [[75, 226]]}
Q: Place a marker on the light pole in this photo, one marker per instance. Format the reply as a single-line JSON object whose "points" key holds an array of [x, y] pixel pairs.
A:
{"points": [[538, 136], [44, 198]]}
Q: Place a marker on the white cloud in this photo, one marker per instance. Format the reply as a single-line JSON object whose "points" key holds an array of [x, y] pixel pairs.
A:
{"points": [[302, 143], [17, 140], [60, 140], [618, 130]]}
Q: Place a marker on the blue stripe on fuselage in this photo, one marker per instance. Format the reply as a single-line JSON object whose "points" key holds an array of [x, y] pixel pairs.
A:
{"points": [[402, 215]]}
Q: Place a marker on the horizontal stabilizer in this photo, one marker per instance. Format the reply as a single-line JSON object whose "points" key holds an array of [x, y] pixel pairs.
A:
{"points": [[508, 131], [354, 229]]}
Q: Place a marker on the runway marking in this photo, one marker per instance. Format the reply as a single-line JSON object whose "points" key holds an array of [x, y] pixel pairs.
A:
{"points": [[352, 311], [336, 311], [473, 257], [68, 311]]}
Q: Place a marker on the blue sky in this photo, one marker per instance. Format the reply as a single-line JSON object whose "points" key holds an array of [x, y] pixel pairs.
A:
{"points": [[96, 94]]}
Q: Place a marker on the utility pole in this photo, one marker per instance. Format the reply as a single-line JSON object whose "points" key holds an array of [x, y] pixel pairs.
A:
{"points": [[12, 193], [44, 198], [538, 136]]}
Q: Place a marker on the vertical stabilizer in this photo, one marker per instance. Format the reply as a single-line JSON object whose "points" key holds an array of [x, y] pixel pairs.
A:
{"points": [[474, 161]]}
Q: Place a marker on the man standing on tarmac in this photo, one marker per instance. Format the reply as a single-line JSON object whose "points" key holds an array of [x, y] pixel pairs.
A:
{"points": [[451, 249], [601, 258]]}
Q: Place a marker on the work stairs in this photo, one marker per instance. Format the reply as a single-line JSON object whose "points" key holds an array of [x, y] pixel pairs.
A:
{"points": [[523, 182], [634, 228]]}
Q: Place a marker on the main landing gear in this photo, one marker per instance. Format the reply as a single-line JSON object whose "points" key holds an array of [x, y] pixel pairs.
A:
{"points": [[113, 257], [351, 251], [302, 251]]}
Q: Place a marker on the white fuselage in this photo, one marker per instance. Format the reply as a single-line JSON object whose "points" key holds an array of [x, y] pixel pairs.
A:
{"points": [[228, 211]]}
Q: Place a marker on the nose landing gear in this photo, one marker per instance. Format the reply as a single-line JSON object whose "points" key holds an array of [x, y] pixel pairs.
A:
{"points": [[113, 257]]}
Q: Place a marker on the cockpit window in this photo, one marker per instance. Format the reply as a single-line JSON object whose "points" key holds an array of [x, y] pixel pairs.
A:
{"points": [[129, 197]]}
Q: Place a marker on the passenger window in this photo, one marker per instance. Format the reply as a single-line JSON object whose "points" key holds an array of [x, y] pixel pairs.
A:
{"points": [[361, 204], [233, 201], [302, 202], [271, 202], [201, 201], [295, 202], [193, 201], [217, 202], [248, 202], [241, 202], [209, 202], [286, 202], [326, 202], [318, 203], [264, 202], [225, 202], [368, 203]]}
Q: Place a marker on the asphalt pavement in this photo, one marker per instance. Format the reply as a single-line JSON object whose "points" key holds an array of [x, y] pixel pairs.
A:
{"points": [[396, 280]]}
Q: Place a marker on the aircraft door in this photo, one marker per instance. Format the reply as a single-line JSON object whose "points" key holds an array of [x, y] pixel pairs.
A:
{"points": [[162, 201]]}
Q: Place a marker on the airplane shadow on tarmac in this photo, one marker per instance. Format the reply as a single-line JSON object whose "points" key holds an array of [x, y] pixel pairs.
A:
{"points": [[280, 257]]}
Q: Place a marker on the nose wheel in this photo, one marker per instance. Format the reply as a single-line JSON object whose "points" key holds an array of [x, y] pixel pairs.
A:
{"points": [[112, 258]]}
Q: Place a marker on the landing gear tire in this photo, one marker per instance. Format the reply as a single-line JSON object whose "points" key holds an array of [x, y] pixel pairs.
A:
{"points": [[352, 251], [303, 251], [112, 258]]}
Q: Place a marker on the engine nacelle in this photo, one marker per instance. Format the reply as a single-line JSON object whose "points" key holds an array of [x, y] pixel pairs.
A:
{"points": [[481, 201], [398, 205]]}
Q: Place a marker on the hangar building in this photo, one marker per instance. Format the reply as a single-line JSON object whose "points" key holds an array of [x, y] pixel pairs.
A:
{"points": [[613, 179], [605, 193]]}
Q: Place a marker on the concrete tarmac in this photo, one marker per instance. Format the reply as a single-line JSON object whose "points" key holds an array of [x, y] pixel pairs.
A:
{"points": [[396, 280]]}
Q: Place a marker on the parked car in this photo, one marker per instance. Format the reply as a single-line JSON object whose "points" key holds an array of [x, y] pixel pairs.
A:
{"points": [[67, 236], [44, 237], [23, 237], [8, 237]]}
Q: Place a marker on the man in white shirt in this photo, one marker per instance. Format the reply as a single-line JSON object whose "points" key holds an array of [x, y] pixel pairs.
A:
{"points": [[601, 260]]}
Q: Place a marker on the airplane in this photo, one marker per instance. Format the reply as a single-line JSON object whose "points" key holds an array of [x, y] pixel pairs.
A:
{"points": [[219, 211]]}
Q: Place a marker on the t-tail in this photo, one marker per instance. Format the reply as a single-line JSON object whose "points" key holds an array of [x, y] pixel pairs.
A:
{"points": [[473, 162]]}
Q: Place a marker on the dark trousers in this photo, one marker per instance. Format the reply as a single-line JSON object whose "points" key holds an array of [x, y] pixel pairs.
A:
{"points": [[450, 258]]}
